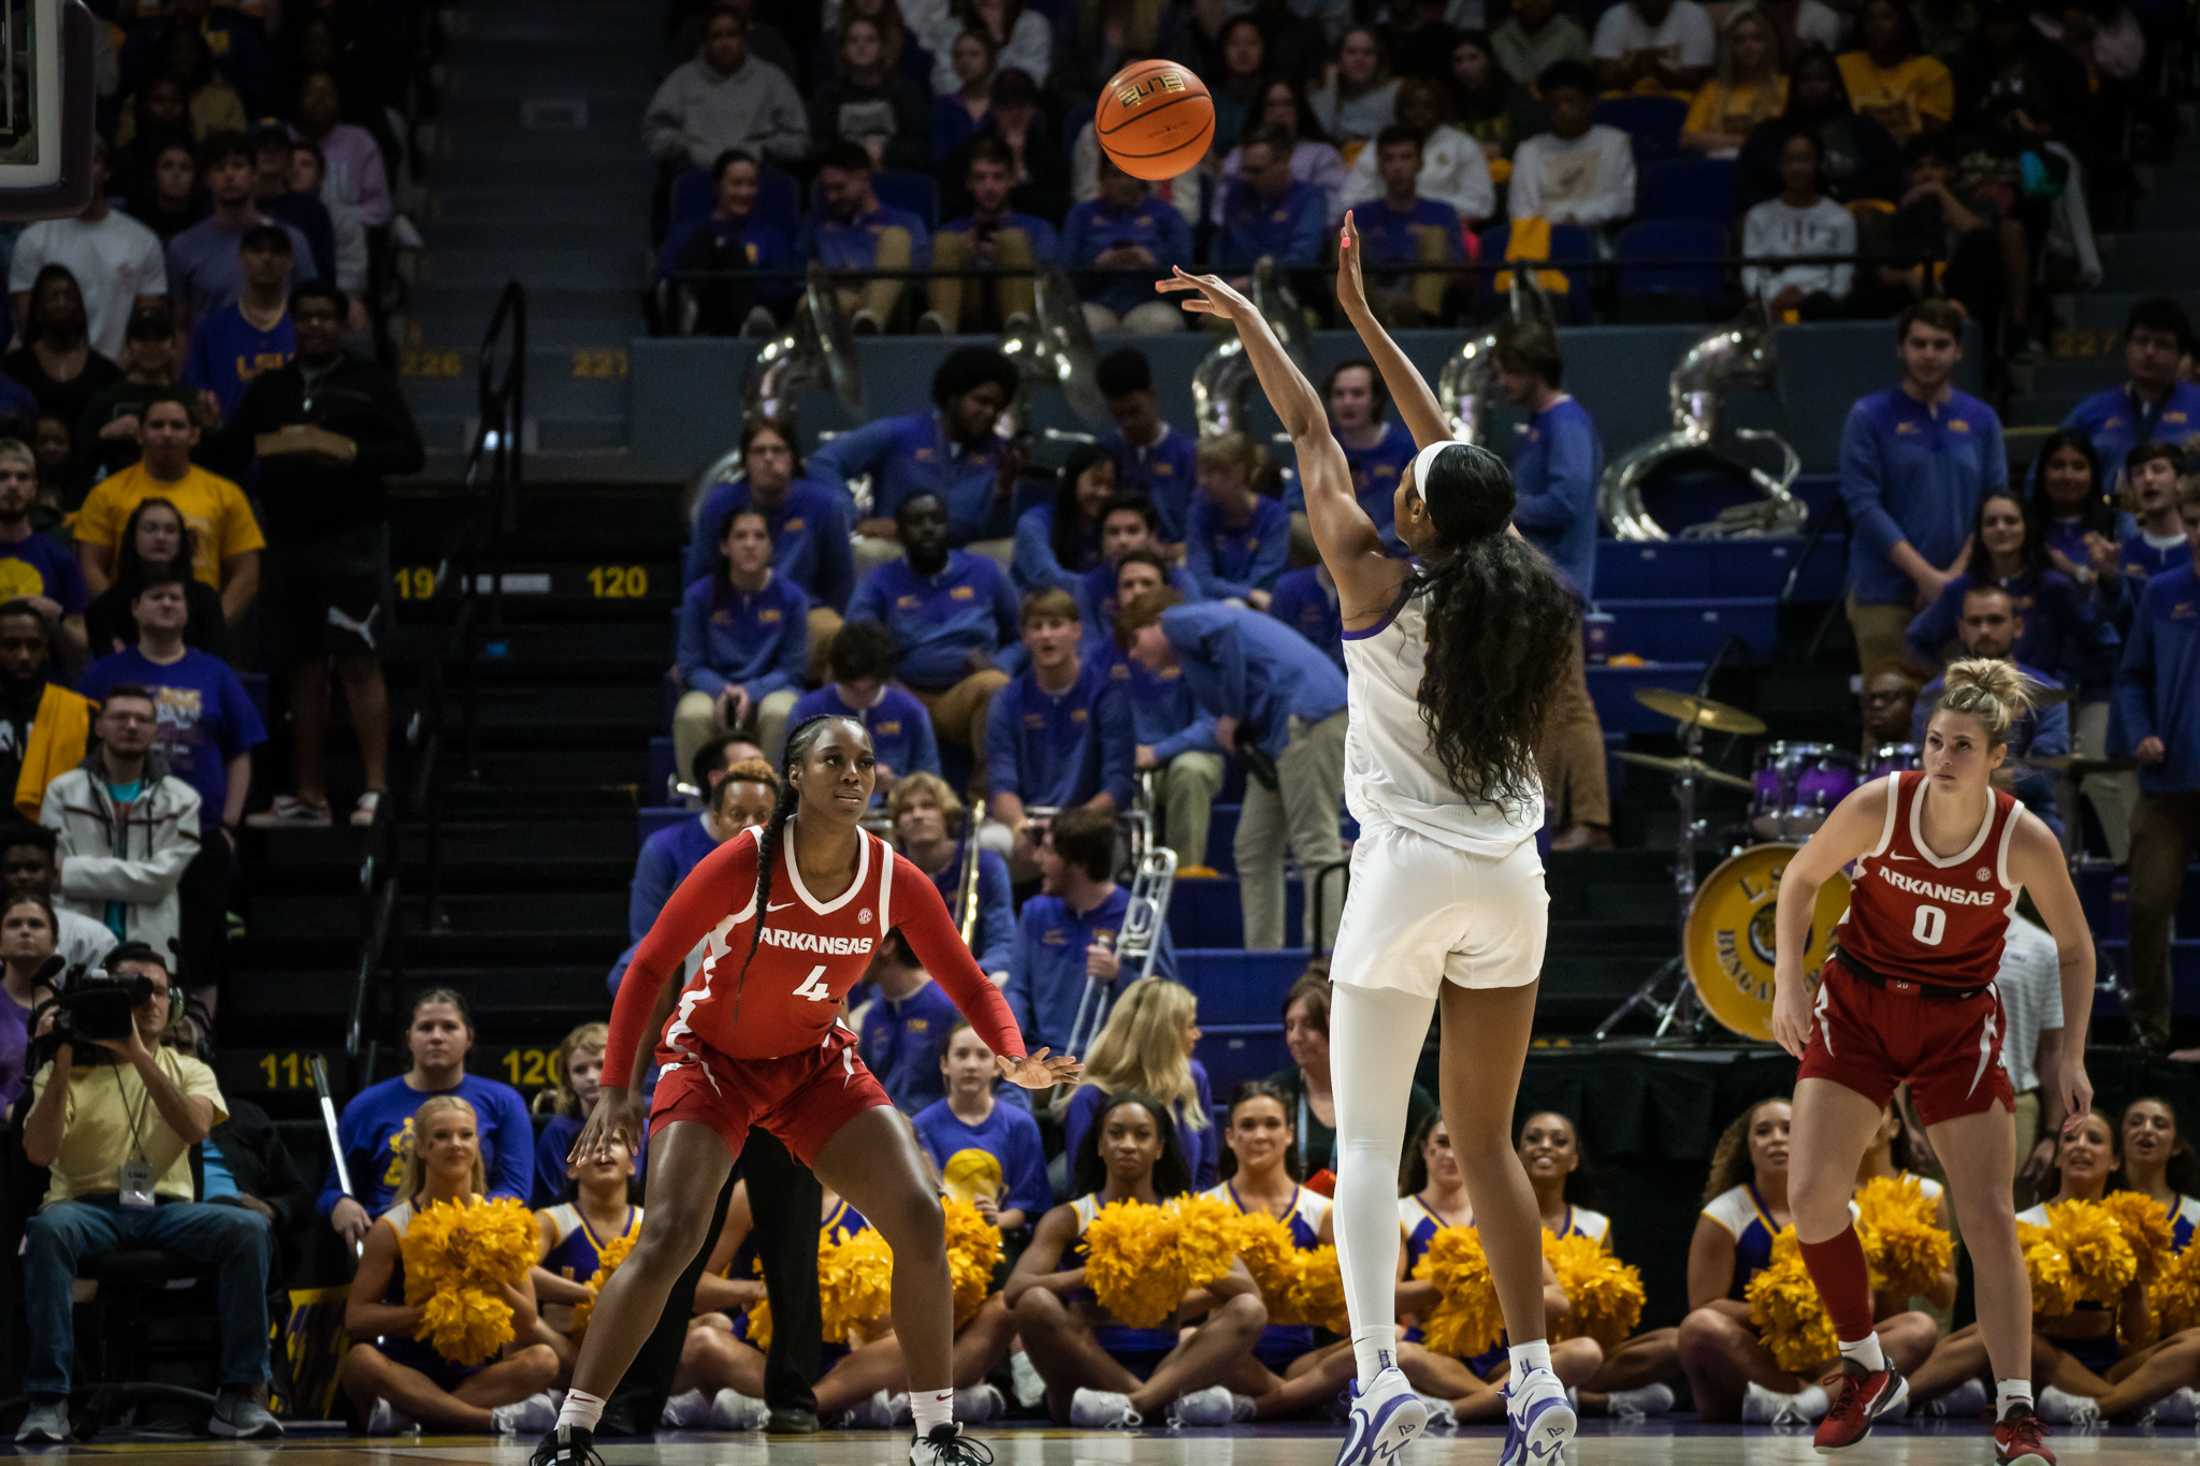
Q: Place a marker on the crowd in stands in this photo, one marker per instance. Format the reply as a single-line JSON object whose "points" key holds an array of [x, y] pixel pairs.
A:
{"points": [[1889, 152]]}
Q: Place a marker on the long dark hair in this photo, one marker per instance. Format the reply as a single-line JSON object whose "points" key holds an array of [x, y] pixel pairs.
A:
{"points": [[775, 830], [1980, 567], [1075, 542], [2183, 1173], [1253, 1089], [1501, 626], [34, 325], [2096, 512], [129, 566], [1413, 1165], [1172, 1174]]}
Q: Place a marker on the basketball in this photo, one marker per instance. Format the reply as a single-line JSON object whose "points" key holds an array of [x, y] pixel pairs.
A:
{"points": [[1155, 120]]}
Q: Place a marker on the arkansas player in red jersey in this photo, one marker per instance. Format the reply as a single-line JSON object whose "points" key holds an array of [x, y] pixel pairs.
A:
{"points": [[1908, 996], [789, 914]]}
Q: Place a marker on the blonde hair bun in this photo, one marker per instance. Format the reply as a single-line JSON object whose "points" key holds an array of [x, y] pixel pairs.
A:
{"points": [[1995, 692]]}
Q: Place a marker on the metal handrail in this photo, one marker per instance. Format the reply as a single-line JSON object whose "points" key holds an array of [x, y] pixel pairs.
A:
{"points": [[382, 908]]}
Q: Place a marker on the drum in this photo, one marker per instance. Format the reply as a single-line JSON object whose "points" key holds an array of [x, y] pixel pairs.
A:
{"points": [[1796, 787], [1728, 940], [1893, 758]]}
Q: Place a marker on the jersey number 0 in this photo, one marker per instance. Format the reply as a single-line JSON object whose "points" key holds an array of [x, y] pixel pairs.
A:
{"points": [[810, 987], [1929, 927]]}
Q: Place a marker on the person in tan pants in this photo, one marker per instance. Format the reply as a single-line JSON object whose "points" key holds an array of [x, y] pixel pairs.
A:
{"points": [[992, 236], [851, 208]]}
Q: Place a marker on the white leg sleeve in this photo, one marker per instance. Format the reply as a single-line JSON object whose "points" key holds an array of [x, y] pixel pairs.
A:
{"points": [[1373, 1035]]}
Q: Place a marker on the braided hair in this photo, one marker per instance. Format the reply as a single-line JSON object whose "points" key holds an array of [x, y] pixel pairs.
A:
{"points": [[774, 832]]}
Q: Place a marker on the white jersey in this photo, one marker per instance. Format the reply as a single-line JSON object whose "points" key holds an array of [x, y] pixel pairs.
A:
{"points": [[1391, 772]]}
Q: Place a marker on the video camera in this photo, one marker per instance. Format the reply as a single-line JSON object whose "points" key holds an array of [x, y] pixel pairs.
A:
{"points": [[96, 1005]]}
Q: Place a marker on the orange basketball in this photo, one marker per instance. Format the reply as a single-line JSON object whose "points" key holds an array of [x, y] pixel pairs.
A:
{"points": [[1155, 119]]}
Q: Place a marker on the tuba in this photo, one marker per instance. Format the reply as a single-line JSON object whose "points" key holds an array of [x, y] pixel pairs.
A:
{"points": [[1222, 383], [1466, 389], [1053, 348], [818, 349]]}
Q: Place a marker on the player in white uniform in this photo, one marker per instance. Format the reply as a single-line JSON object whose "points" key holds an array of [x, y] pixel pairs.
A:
{"points": [[1451, 659]]}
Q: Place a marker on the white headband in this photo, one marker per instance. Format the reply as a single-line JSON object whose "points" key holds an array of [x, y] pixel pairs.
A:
{"points": [[1425, 460]]}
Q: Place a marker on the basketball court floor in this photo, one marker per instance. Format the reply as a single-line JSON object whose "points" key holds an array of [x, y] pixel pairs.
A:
{"points": [[1601, 1444]]}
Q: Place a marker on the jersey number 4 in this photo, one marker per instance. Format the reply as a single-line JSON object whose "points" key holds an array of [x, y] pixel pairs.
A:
{"points": [[813, 986]]}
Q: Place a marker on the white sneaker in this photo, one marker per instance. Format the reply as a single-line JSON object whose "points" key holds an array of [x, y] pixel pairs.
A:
{"points": [[1964, 1402], [897, 1409], [292, 813], [1024, 1381], [2060, 1407], [1440, 1414], [387, 1419], [2178, 1407], [732, 1410], [1385, 1418], [1103, 1410], [875, 1413], [979, 1403], [1539, 1423], [46, 1424], [1211, 1406], [531, 1416], [1641, 1404], [363, 812], [689, 1410], [1761, 1406]]}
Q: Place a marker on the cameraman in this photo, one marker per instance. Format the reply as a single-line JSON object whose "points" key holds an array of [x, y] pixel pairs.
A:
{"points": [[115, 1120]]}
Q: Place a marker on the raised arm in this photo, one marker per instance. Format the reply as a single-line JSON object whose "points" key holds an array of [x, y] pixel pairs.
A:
{"points": [[1408, 389]]}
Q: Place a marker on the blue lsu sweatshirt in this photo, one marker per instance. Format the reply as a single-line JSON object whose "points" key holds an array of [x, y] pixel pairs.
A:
{"points": [[1390, 236], [1059, 749], [1914, 471], [851, 246], [2044, 734], [1094, 227], [1292, 229], [1375, 470], [946, 624], [761, 244], [2062, 631], [1010, 1136], [995, 938], [1240, 663], [1235, 559], [901, 730], [1046, 971], [2158, 688], [1166, 471], [758, 641], [2115, 421], [901, 1040], [912, 455], [1096, 603], [1163, 715], [667, 858], [1036, 566], [810, 538], [1555, 472], [1310, 608], [376, 1129]]}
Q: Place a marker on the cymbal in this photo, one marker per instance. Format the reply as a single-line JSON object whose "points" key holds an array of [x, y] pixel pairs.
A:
{"points": [[1679, 766], [1686, 707]]}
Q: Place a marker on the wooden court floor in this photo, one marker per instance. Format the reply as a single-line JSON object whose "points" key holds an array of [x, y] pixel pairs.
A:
{"points": [[1650, 1445]]}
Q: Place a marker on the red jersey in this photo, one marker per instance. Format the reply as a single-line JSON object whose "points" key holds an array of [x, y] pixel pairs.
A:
{"points": [[808, 956], [1930, 918]]}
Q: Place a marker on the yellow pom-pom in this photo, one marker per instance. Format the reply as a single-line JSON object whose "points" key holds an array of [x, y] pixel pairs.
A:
{"points": [[2145, 1227], [1788, 1314], [855, 1283], [2176, 1294], [2102, 1263], [2054, 1290], [760, 1324], [457, 1255], [973, 1252], [1317, 1290], [1466, 1321], [465, 1325], [1203, 1237], [607, 1262], [1132, 1263], [1264, 1245], [1606, 1294], [1904, 1243]]}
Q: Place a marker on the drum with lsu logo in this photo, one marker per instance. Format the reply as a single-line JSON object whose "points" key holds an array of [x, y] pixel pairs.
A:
{"points": [[1893, 758], [1728, 939], [1797, 786]]}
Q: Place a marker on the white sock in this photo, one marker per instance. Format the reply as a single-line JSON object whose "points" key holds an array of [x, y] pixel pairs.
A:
{"points": [[1535, 1354], [1366, 1028], [930, 1408], [1867, 1353], [581, 1410], [2008, 1392]]}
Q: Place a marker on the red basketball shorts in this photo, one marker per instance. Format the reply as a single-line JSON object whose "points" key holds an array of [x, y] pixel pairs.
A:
{"points": [[802, 1098], [1870, 1039]]}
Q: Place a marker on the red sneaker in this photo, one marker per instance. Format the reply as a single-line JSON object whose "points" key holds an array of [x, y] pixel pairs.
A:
{"points": [[1859, 1398], [2018, 1439]]}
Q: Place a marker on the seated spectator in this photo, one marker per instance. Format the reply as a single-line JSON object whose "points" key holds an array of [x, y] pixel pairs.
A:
{"points": [[1652, 46], [735, 797], [1376, 449], [154, 538], [852, 234], [952, 614], [1419, 38], [1269, 215], [1449, 168], [108, 431], [580, 1081], [110, 1162], [1306, 601], [355, 175], [951, 453], [1057, 544], [2077, 517], [2150, 547], [1946, 241], [1581, 171], [861, 660], [1750, 87], [235, 40], [234, 343], [1991, 629], [961, 107], [1278, 704], [378, 1133], [1358, 97], [170, 200], [1802, 25], [903, 1026], [279, 200], [210, 104], [991, 237], [1176, 742], [1020, 36], [1534, 39], [1859, 159], [1306, 1081], [1235, 83], [970, 1133], [30, 865], [929, 828], [54, 443], [156, 120], [1128, 525], [113, 258], [1493, 109], [2154, 401], [725, 98], [1153, 461], [868, 102], [1801, 221], [1889, 79], [35, 567], [43, 725], [807, 519], [205, 262], [721, 248], [27, 942], [1240, 539], [1135, 238], [1060, 735], [56, 364], [2061, 634], [128, 829], [1401, 228], [226, 538], [396, 1381], [1039, 172], [1314, 158], [743, 644], [1145, 1047], [1065, 936]]}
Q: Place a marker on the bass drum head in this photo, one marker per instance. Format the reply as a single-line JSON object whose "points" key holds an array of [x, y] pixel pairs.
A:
{"points": [[1728, 940]]}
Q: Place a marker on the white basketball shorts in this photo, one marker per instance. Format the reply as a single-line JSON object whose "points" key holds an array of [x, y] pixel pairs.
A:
{"points": [[1421, 914]]}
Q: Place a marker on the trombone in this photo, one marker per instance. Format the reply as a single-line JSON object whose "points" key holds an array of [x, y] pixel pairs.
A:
{"points": [[1136, 945]]}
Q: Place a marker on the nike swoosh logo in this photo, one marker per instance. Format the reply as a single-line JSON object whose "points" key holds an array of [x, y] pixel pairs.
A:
{"points": [[1891, 857], [782, 906]]}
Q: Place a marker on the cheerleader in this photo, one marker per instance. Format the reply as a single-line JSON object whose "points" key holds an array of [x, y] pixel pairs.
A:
{"points": [[1289, 1372], [1100, 1373], [1731, 1373], [2085, 1376], [1434, 1196], [2158, 1161], [1637, 1378], [1888, 1156], [395, 1380]]}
